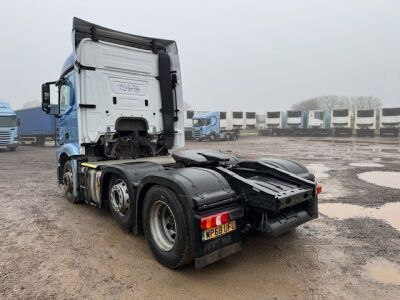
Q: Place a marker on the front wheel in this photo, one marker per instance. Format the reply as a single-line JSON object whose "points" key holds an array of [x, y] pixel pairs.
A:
{"points": [[68, 183], [166, 228]]}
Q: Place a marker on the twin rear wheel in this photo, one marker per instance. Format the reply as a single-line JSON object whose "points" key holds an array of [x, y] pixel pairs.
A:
{"points": [[165, 227]]}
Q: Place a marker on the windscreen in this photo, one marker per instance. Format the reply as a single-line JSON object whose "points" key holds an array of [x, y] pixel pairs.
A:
{"points": [[199, 122], [294, 114], [341, 113], [319, 115], [391, 112], [365, 113], [238, 114], [222, 115], [273, 115], [8, 121], [250, 115]]}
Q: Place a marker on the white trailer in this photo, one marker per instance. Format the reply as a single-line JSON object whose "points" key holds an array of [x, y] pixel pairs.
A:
{"points": [[275, 123], [342, 121], [389, 122], [365, 122], [250, 120], [238, 120]]}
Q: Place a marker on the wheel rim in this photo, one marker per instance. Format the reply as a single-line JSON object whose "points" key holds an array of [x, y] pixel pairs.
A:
{"points": [[68, 181], [120, 197], [162, 225]]}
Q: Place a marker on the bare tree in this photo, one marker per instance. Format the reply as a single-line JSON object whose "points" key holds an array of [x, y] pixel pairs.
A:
{"points": [[365, 102], [327, 102], [330, 102]]}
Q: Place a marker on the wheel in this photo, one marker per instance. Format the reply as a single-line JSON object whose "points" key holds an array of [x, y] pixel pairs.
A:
{"points": [[228, 137], [68, 183], [13, 149], [211, 138], [121, 206], [234, 137], [165, 227]]}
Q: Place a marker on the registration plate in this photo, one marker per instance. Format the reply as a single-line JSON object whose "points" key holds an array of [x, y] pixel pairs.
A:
{"points": [[219, 230]]}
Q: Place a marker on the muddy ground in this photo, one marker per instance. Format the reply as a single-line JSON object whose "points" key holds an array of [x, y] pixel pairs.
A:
{"points": [[50, 248]]}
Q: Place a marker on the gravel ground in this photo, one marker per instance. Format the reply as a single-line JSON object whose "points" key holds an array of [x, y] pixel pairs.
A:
{"points": [[50, 248]]}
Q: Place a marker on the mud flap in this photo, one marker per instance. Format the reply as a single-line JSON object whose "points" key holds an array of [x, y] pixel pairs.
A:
{"points": [[212, 257]]}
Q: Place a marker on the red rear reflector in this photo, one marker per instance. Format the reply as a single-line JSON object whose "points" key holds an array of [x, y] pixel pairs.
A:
{"points": [[214, 220], [318, 189]]}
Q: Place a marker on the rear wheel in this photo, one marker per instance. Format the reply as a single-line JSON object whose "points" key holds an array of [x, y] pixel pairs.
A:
{"points": [[121, 204], [166, 228]]}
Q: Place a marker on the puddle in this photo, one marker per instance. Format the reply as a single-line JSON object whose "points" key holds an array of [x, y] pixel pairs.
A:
{"points": [[320, 170], [382, 270], [389, 212], [386, 179], [366, 165]]}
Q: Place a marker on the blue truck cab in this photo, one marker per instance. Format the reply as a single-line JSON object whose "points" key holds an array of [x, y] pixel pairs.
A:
{"points": [[8, 127], [206, 126]]}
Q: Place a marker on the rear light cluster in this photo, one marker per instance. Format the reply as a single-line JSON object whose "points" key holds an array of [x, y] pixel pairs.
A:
{"points": [[214, 220], [318, 189]]}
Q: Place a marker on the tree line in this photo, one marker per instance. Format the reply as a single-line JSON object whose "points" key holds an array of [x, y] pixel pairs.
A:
{"points": [[331, 102]]}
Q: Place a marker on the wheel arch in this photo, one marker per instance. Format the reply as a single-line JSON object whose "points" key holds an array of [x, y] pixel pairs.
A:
{"points": [[188, 184]]}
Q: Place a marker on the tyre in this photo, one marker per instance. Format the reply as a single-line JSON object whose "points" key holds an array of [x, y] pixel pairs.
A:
{"points": [[211, 138], [120, 202], [228, 137], [68, 183], [166, 228], [13, 149], [234, 137]]}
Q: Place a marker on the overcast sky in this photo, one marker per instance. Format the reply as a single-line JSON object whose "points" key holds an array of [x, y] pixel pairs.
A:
{"points": [[235, 55]]}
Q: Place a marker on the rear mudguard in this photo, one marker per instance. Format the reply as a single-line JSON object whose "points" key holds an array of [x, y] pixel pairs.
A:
{"points": [[201, 191]]}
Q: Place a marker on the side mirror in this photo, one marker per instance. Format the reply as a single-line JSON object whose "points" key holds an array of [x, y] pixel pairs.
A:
{"points": [[50, 103]]}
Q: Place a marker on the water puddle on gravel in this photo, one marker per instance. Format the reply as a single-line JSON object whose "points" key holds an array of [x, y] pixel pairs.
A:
{"points": [[386, 179], [366, 165], [389, 212], [320, 170], [382, 270]]}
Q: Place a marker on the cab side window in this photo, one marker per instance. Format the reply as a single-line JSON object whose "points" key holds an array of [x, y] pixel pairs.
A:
{"points": [[65, 98]]}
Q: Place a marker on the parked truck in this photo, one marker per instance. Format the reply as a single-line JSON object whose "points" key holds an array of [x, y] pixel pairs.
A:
{"points": [[389, 122], [342, 122], [115, 151], [319, 122], [35, 126], [8, 127], [365, 122], [206, 126], [297, 122]]}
